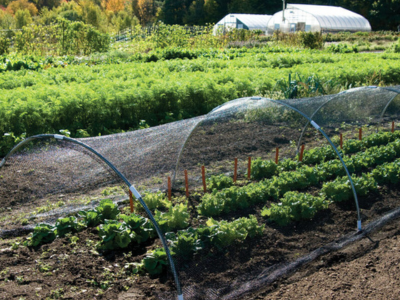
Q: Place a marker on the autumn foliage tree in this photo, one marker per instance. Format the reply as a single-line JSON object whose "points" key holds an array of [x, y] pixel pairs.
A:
{"points": [[113, 5], [146, 11], [17, 5]]}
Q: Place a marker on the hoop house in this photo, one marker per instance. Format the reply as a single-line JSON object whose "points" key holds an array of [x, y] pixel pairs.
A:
{"points": [[321, 18], [43, 168]]}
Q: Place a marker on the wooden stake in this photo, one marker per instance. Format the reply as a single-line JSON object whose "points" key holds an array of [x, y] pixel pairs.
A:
{"points": [[169, 188], [277, 155], [249, 168], [131, 200], [187, 184], [203, 175], [301, 153], [235, 171], [341, 141], [392, 126], [360, 134]]}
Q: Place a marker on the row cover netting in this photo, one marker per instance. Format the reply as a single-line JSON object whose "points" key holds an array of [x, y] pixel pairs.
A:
{"points": [[47, 178]]}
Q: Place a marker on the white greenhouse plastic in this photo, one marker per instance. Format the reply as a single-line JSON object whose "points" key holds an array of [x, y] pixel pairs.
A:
{"points": [[303, 17], [242, 21]]}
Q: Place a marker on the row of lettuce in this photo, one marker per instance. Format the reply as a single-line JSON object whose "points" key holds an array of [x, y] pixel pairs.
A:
{"points": [[377, 153], [104, 99], [117, 231], [277, 180], [15, 62]]}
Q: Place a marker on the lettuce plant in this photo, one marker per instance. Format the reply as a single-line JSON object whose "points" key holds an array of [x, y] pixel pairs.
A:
{"points": [[114, 235], [42, 233], [107, 210], [67, 225]]}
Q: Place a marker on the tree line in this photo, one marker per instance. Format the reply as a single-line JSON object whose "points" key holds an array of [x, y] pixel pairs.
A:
{"points": [[115, 15]]}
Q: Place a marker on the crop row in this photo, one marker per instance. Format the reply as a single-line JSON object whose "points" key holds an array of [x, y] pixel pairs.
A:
{"points": [[297, 206], [104, 99], [234, 197], [117, 231]]}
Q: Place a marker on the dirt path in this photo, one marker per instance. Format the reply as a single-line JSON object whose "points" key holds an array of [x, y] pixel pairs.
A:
{"points": [[368, 269]]}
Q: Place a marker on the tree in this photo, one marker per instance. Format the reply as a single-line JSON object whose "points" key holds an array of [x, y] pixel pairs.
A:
{"points": [[22, 18], [6, 20], [146, 11], [173, 11], [195, 14], [90, 13], [211, 14], [14, 6], [114, 5]]}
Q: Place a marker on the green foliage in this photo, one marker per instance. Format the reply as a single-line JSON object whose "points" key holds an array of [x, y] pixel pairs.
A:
{"points": [[294, 206], [318, 155], [219, 182], [141, 226], [22, 18], [352, 146], [98, 97], [185, 243], [224, 233], [4, 45], [67, 225], [63, 37], [261, 169], [115, 235], [301, 176], [154, 201], [42, 233], [340, 189], [387, 173], [342, 48], [155, 261], [288, 165], [90, 218], [177, 217], [107, 210], [311, 40]]}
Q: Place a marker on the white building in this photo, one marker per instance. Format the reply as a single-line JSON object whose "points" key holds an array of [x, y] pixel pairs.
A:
{"points": [[323, 18], [242, 21]]}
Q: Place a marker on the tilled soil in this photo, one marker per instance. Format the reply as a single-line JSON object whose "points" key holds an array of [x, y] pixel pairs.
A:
{"points": [[61, 269], [368, 269]]}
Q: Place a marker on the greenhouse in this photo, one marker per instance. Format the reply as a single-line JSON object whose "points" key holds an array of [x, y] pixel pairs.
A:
{"points": [[242, 21], [317, 18]]}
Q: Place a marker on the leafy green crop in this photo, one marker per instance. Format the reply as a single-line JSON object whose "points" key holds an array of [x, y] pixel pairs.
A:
{"points": [[177, 217], [67, 225], [141, 226], [99, 98], [185, 243], [155, 261], [107, 210], [42, 233], [90, 218], [154, 201], [318, 155], [387, 173], [224, 233], [219, 182], [352, 146], [261, 169], [340, 189], [295, 206], [115, 235]]}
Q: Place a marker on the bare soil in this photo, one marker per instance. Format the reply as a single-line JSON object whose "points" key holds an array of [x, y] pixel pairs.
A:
{"points": [[62, 270]]}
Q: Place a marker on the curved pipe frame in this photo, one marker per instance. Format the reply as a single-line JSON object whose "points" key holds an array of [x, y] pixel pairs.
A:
{"points": [[131, 188], [359, 227], [315, 125], [333, 98]]}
